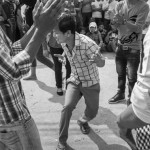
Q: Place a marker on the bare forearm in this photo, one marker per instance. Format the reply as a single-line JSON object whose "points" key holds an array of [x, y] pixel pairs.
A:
{"points": [[34, 44], [27, 37], [133, 27]]}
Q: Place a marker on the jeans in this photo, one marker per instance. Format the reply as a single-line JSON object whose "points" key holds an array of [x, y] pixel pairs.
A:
{"points": [[86, 19], [73, 95], [41, 58], [127, 62], [21, 135], [58, 66]]}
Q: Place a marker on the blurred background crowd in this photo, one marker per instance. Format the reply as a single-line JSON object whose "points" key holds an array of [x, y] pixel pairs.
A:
{"points": [[92, 18]]}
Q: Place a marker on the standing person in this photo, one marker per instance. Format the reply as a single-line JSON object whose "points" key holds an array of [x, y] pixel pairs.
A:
{"points": [[97, 11], [40, 57], [84, 57], [18, 130], [94, 34], [129, 20], [79, 21], [86, 10], [9, 9], [56, 48], [3, 17], [19, 21], [137, 114], [109, 9], [142, 134]]}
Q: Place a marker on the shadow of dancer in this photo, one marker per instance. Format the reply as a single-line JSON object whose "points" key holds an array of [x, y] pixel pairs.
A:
{"points": [[52, 90], [102, 145]]}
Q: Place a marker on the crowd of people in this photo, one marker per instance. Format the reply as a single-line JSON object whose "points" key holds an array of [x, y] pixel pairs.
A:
{"points": [[75, 33]]}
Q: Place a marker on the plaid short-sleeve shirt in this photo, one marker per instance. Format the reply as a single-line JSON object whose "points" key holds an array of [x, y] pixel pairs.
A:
{"points": [[82, 70]]}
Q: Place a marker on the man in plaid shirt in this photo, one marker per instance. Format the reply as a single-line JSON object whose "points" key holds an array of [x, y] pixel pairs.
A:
{"points": [[84, 57], [17, 128]]}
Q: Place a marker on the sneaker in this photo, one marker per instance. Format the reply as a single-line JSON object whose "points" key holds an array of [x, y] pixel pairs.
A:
{"points": [[117, 98], [84, 127], [61, 146]]}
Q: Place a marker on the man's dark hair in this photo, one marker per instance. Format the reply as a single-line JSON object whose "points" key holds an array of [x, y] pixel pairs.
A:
{"points": [[66, 22]]}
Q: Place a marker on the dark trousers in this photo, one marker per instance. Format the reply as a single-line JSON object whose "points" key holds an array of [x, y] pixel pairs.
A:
{"points": [[86, 19], [41, 58], [98, 21], [72, 97], [127, 62], [58, 66]]}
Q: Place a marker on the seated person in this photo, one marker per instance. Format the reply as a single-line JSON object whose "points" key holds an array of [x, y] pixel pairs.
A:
{"points": [[94, 34], [111, 41]]}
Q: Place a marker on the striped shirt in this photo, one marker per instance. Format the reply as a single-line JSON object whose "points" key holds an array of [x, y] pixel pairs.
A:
{"points": [[82, 70], [13, 65], [137, 15]]}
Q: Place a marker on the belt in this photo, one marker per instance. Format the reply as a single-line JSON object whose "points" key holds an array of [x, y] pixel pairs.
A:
{"points": [[127, 48]]}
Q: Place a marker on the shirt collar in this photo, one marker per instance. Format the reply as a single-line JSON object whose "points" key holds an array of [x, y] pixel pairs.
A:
{"points": [[77, 39]]}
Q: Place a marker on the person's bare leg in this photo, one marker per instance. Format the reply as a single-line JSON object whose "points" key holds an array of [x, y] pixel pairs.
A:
{"points": [[32, 75], [126, 122]]}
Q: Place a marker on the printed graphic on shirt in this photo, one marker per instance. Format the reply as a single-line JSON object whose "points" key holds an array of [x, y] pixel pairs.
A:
{"points": [[133, 36]]}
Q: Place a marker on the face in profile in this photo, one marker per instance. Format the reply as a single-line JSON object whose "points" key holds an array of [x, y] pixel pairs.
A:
{"points": [[59, 36]]}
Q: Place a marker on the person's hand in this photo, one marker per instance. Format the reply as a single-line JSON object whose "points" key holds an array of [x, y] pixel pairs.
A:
{"points": [[98, 59], [45, 17], [94, 57], [60, 58], [118, 19], [146, 25]]}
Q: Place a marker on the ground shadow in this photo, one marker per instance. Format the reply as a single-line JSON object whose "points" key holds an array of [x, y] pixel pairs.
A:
{"points": [[104, 117], [56, 98], [102, 145]]}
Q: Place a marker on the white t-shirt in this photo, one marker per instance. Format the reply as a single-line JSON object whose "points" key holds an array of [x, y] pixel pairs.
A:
{"points": [[111, 8], [96, 4], [144, 73]]}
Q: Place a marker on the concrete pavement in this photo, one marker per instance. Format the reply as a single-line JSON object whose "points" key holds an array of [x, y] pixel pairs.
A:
{"points": [[45, 106]]}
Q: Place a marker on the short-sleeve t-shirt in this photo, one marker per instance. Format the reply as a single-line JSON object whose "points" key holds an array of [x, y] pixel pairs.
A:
{"points": [[97, 4], [86, 6]]}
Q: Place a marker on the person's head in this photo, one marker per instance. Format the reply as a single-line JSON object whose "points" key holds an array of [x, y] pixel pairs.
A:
{"points": [[83, 31], [92, 27], [101, 27], [65, 28]]}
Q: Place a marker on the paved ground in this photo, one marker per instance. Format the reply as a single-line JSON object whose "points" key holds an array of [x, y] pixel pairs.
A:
{"points": [[45, 107]]}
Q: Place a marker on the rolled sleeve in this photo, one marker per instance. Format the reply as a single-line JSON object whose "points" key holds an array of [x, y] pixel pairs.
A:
{"points": [[93, 48], [16, 48], [22, 60]]}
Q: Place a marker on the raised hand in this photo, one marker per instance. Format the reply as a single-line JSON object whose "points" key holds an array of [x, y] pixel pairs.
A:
{"points": [[45, 16]]}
